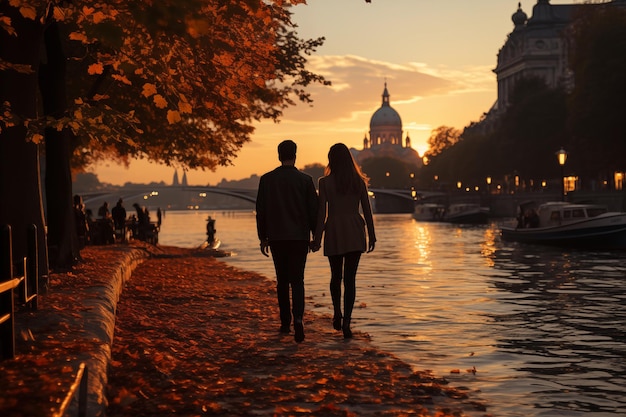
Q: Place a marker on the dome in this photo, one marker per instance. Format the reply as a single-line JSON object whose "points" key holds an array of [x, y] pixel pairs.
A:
{"points": [[385, 115], [542, 12], [519, 17]]}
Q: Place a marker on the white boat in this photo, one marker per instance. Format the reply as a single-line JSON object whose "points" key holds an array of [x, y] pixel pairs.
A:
{"points": [[214, 244], [428, 212], [566, 224], [468, 213]]}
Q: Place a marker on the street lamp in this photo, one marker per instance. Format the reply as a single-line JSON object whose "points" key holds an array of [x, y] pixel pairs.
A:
{"points": [[562, 157]]}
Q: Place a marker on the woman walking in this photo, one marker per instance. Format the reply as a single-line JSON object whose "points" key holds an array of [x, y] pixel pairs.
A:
{"points": [[342, 191]]}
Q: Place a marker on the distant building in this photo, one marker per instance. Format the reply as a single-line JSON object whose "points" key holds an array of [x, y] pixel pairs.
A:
{"points": [[385, 137], [536, 48], [175, 181]]}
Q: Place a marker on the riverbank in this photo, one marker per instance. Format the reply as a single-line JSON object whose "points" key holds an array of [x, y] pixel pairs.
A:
{"points": [[194, 336]]}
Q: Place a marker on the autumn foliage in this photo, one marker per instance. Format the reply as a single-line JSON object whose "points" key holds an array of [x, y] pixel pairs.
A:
{"points": [[172, 81], [177, 82]]}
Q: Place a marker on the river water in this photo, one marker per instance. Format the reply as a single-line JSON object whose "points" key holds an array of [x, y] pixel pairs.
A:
{"points": [[528, 330]]}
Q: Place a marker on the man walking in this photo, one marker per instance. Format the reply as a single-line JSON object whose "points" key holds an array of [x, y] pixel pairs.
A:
{"points": [[119, 219], [286, 215]]}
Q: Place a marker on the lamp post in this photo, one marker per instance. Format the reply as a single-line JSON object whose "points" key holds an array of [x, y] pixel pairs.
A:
{"points": [[562, 157]]}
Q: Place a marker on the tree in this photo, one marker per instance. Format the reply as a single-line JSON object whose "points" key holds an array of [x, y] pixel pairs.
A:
{"points": [[440, 139], [386, 172], [20, 187], [204, 87], [532, 130], [597, 40], [87, 181], [315, 170], [524, 140], [175, 82]]}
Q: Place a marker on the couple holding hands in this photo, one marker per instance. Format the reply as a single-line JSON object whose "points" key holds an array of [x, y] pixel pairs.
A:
{"points": [[289, 210]]}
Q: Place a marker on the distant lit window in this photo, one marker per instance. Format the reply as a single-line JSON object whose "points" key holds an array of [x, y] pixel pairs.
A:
{"points": [[570, 183], [619, 180]]}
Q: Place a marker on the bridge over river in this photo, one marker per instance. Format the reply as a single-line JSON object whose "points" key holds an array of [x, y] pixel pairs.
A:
{"points": [[205, 197], [383, 200]]}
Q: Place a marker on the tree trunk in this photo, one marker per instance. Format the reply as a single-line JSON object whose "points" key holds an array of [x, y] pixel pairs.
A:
{"points": [[20, 185], [62, 237]]}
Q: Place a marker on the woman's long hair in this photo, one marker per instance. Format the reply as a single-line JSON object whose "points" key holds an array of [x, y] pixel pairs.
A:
{"points": [[346, 174]]}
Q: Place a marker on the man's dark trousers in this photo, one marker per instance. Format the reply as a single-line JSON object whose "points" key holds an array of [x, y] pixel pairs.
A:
{"points": [[289, 261]]}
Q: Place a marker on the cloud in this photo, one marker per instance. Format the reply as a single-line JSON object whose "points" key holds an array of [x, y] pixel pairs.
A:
{"points": [[357, 86]]}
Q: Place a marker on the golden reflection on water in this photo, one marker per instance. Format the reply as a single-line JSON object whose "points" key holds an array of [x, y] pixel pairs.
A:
{"points": [[422, 241], [488, 246]]}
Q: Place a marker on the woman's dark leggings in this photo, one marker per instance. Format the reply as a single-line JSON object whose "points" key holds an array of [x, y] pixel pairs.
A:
{"points": [[343, 266]]}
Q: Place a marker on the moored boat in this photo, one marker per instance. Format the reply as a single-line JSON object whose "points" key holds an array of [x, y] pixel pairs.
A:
{"points": [[571, 225], [429, 212], [467, 213]]}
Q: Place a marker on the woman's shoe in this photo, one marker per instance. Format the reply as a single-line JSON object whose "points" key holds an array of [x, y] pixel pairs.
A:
{"points": [[337, 322], [347, 333], [299, 328]]}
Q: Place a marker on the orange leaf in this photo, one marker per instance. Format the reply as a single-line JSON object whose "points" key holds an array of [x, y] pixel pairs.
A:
{"points": [[184, 107], [121, 78], [149, 90], [98, 17], [37, 138], [28, 12], [77, 36], [96, 68], [160, 101], [173, 117]]}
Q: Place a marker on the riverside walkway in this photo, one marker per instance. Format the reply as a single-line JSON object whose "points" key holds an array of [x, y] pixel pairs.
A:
{"points": [[169, 331]]}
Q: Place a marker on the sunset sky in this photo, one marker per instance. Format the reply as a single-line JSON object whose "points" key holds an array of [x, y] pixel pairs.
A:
{"points": [[437, 57]]}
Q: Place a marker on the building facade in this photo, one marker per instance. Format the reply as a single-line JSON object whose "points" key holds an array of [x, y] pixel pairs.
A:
{"points": [[537, 48]]}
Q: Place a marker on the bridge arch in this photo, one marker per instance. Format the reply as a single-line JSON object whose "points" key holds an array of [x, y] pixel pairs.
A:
{"points": [[144, 195]]}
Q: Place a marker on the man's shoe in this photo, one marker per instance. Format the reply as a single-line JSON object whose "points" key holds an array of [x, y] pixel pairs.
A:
{"points": [[299, 328], [285, 329]]}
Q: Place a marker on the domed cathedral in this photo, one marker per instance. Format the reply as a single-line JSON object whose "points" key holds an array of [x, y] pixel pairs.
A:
{"points": [[385, 125], [385, 137]]}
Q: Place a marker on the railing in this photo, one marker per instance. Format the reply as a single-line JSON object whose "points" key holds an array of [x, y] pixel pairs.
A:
{"points": [[80, 383], [30, 271], [28, 278], [7, 312]]}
